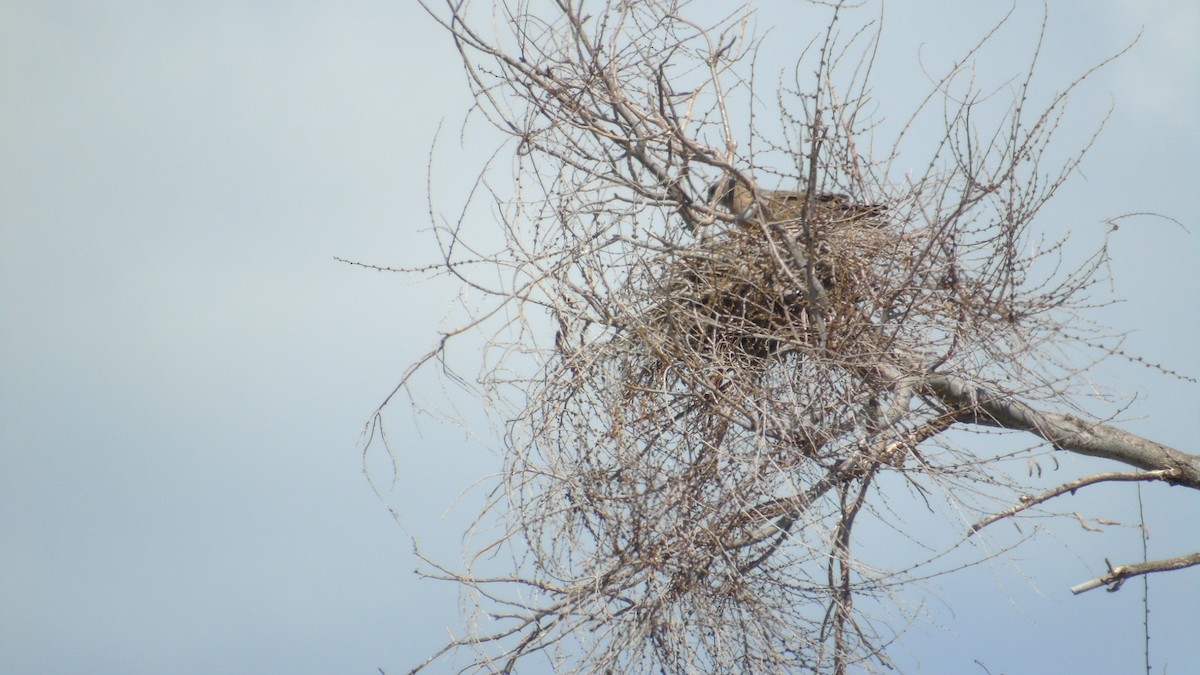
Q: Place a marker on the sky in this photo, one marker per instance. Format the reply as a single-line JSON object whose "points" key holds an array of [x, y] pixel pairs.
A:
{"points": [[185, 369]]}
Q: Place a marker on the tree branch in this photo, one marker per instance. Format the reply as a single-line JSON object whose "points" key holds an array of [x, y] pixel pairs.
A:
{"points": [[1028, 501], [1066, 432], [1117, 575]]}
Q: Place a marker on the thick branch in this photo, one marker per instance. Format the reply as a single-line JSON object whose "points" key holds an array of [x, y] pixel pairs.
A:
{"points": [[1065, 432], [1117, 575]]}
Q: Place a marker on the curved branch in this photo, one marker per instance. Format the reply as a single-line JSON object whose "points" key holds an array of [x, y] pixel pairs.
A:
{"points": [[1029, 501], [976, 405]]}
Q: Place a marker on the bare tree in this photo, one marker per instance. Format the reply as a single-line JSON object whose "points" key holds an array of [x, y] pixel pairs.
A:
{"points": [[702, 381]]}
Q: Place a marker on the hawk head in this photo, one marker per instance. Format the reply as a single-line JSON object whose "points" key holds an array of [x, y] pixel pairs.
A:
{"points": [[735, 196]]}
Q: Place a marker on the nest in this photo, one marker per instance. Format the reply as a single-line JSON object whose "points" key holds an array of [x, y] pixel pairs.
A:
{"points": [[742, 294]]}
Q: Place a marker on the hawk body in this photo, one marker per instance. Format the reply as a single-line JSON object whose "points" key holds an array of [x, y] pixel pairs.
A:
{"points": [[753, 207]]}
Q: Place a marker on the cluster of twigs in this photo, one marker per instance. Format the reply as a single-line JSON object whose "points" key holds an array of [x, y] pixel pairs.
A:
{"points": [[686, 462], [690, 469]]}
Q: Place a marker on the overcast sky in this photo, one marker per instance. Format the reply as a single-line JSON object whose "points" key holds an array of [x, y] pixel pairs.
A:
{"points": [[185, 369]]}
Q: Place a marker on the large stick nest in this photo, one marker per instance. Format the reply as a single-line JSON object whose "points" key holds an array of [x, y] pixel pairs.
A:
{"points": [[744, 293]]}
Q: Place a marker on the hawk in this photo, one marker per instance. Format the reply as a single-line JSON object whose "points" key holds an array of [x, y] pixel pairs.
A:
{"points": [[754, 207]]}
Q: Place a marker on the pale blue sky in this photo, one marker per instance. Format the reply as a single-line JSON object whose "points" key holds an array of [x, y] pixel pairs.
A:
{"points": [[184, 368]]}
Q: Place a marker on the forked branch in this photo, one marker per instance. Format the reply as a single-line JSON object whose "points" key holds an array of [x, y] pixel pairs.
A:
{"points": [[1117, 575]]}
